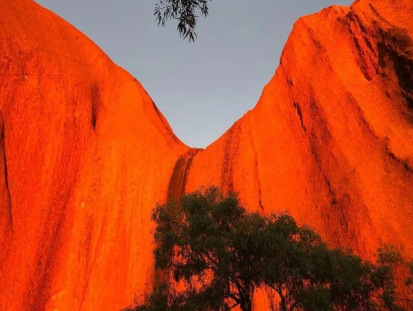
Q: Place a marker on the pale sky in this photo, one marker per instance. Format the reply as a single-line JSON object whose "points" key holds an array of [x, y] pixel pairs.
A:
{"points": [[202, 88]]}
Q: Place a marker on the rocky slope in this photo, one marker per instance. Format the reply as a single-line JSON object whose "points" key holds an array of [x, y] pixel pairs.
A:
{"points": [[331, 138], [85, 154]]}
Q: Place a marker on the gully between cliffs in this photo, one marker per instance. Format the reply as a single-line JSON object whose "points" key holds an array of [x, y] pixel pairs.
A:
{"points": [[177, 183]]}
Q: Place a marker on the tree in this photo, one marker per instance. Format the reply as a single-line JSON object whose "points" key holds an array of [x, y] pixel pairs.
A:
{"points": [[200, 241], [185, 11], [409, 284], [387, 258], [217, 254]]}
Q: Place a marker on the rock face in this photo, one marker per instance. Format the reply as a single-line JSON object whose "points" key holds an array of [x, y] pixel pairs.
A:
{"points": [[85, 154], [331, 138]]}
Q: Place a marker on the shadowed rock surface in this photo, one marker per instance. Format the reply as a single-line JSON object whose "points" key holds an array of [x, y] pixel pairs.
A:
{"points": [[85, 154]]}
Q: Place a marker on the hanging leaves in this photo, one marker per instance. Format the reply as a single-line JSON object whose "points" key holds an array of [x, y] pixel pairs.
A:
{"points": [[186, 12]]}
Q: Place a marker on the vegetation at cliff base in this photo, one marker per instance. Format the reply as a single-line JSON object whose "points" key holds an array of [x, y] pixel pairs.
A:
{"points": [[215, 255]]}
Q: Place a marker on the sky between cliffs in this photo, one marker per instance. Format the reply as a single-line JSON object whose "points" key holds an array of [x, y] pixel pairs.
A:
{"points": [[202, 88]]}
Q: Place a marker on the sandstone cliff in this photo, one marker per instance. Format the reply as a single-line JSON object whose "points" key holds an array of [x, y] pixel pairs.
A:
{"points": [[85, 154]]}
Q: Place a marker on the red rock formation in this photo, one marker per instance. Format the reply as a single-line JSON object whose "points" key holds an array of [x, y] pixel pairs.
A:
{"points": [[331, 138], [85, 154]]}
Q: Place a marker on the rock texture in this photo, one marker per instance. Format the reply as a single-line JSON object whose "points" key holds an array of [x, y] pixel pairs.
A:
{"points": [[331, 138], [85, 154]]}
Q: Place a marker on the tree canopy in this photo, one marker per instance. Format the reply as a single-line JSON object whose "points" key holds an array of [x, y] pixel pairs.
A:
{"points": [[186, 12], [217, 254]]}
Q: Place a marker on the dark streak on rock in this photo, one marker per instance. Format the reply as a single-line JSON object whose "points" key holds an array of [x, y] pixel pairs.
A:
{"points": [[374, 10], [259, 186], [3, 160], [403, 163], [320, 138], [300, 115], [256, 177], [365, 49], [95, 105], [227, 169], [177, 183], [361, 117], [330, 190], [395, 48]]}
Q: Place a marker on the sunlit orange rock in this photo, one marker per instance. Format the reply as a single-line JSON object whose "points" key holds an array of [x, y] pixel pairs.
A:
{"points": [[331, 138], [85, 154]]}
